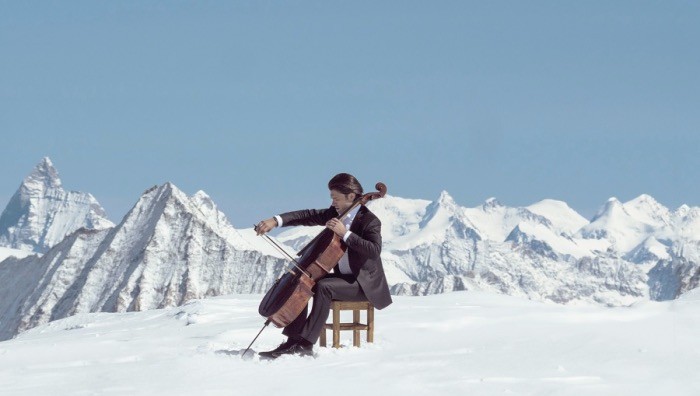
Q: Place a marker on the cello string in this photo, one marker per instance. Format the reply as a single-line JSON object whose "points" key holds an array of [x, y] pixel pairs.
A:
{"points": [[296, 264], [284, 252], [279, 248]]}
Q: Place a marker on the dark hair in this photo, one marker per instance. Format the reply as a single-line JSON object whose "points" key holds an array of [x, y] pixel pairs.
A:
{"points": [[345, 183]]}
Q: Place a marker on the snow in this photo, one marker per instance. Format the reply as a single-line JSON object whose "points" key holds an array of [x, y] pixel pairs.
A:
{"points": [[492, 219], [298, 237], [544, 234], [646, 209], [435, 222], [171, 248], [615, 223], [688, 220], [41, 213], [560, 214], [642, 222], [9, 252], [399, 216], [496, 221], [450, 344], [657, 248]]}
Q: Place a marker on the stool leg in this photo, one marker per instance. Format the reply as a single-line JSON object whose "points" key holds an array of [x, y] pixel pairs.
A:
{"points": [[370, 324], [323, 337], [355, 330], [336, 327]]}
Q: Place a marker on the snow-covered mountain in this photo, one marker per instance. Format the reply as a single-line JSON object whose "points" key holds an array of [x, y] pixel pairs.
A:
{"points": [[170, 248], [41, 213], [515, 251]]}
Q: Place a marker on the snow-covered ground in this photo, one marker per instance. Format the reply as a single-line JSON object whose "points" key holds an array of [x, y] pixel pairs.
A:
{"points": [[460, 343]]}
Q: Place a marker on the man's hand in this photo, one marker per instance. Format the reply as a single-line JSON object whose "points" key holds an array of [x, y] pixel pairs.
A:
{"points": [[265, 226], [336, 226]]}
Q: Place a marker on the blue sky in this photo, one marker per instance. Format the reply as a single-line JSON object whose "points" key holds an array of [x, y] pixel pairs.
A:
{"points": [[259, 103]]}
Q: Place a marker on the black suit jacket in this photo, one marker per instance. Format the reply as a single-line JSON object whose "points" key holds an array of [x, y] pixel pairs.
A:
{"points": [[364, 248]]}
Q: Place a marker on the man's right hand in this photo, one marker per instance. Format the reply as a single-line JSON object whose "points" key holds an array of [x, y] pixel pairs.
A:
{"points": [[265, 226]]}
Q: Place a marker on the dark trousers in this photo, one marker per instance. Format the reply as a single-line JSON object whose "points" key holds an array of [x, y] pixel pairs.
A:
{"points": [[326, 290]]}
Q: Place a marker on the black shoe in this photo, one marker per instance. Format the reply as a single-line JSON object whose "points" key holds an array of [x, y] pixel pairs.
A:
{"points": [[291, 347], [281, 347]]}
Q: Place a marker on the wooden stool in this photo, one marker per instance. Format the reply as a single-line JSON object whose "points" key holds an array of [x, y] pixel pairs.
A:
{"points": [[355, 326]]}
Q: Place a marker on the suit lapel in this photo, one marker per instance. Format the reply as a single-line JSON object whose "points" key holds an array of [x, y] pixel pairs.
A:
{"points": [[356, 225]]}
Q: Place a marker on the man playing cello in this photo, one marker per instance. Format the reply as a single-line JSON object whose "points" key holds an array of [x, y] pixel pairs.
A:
{"points": [[358, 276]]}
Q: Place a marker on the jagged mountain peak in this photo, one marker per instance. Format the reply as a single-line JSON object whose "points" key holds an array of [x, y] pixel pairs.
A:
{"points": [[644, 198], [444, 208], [169, 189], [446, 199], [161, 193], [686, 222], [641, 215], [165, 192], [202, 196], [612, 207], [646, 209], [612, 215], [627, 225], [204, 203], [168, 249], [683, 210], [491, 203], [44, 176], [423, 221], [166, 204], [646, 201], [157, 198], [41, 212]]}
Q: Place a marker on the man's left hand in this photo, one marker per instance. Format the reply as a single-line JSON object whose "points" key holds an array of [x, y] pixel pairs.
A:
{"points": [[336, 226]]}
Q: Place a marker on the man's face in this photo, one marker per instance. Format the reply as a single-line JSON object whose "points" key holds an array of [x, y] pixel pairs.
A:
{"points": [[341, 201]]}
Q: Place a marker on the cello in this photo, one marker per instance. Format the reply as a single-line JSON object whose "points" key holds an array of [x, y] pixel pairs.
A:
{"points": [[291, 292]]}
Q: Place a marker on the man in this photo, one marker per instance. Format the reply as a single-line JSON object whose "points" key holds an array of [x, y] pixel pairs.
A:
{"points": [[358, 276]]}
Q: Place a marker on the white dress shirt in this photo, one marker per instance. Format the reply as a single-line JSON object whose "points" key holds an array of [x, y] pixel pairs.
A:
{"points": [[344, 263]]}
